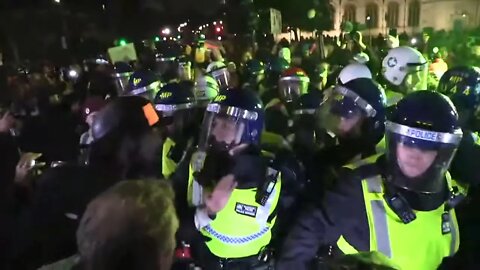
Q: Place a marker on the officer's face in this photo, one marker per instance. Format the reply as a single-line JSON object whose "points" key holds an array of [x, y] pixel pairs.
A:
{"points": [[348, 125], [414, 162], [225, 130]]}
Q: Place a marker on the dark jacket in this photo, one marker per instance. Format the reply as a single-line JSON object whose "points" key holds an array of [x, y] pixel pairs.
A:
{"points": [[45, 229]]}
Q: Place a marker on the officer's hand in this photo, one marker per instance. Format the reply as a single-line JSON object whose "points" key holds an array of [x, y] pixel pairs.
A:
{"points": [[218, 199], [248, 166]]}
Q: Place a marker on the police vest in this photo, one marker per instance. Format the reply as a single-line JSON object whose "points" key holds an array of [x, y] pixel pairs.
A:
{"points": [[200, 55], [243, 227], [168, 166], [393, 97], [476, 138], [421, 244]]}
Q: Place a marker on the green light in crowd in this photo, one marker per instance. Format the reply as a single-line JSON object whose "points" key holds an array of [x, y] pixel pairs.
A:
{"points": [[157, 39], [435, 49], [179, 37], [122, 42]]}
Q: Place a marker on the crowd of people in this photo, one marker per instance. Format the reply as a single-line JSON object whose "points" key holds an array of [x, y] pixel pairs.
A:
{"points": [[323, 154]]}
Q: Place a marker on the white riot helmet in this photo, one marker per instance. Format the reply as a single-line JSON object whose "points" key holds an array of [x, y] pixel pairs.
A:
{"points": [[354, 71], [406, 66]]}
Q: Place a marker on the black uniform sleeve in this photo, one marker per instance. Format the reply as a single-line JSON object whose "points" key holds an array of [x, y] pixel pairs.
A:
{"points": [[464, 167], [341, 212]]}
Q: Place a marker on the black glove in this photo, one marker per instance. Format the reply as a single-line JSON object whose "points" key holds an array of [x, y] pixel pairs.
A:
{"points": [[249, 168], [218, 163]]}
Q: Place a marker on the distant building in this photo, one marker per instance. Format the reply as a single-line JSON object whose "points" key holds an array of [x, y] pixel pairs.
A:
{"points": [[410, 16]]}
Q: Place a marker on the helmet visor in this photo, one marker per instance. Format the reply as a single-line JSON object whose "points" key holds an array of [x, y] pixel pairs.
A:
{"points": [[178, 120], [168, 110], [291, 88], [205, 91], [419, 158], [121, 82], [185, 71], [222, 76], [416, 78], [343, 111], [149, 92], [224, 126]]}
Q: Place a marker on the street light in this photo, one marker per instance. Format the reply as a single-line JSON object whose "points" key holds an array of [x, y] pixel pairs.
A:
{"points": [[56, 1], [122, 42], [166, 31]]}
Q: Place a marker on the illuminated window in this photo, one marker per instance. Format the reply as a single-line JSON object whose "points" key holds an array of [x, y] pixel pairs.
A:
{"points": [[371, 19], [350, 13], [414, 13], [392, 14]]}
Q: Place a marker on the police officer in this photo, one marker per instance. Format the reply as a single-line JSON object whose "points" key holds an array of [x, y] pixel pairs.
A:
{"points": [[305, 137], [268, 88], [167, 64], [279, 111], [176, 106], [144, 83], [462, 85], [234, 191], [383, 202], [319, 76], [253, 73], [219, 71], [205, 90], [351, 124], [404, 70]]}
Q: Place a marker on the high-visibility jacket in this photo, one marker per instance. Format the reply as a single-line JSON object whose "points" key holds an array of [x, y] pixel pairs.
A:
{"points": [[420, 244], [243, 227]]}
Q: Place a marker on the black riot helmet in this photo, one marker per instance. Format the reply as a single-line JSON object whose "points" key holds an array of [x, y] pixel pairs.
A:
{"points": [[123, 137], [305, 126], [422, 135], [144, 83], [355, 110], [175, 103]]}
